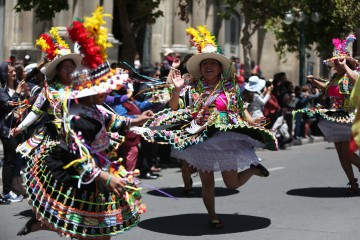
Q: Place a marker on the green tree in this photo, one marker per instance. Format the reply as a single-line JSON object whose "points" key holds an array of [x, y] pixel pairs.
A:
{"points": [[44, 10], [134, 15], [339, 19]]}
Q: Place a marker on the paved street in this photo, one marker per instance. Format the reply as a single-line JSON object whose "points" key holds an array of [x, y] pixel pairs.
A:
{"points": [[303, 199]]}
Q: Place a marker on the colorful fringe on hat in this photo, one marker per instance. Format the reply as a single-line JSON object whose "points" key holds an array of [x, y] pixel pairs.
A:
{"points": [[96, 76], [341, 50]]}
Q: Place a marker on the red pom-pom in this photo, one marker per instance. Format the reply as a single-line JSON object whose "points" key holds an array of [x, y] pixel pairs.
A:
{"points": [[352, 145]]}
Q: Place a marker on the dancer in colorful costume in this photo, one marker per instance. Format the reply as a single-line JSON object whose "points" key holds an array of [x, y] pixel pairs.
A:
{"points": [[58, 75], [335, 122], [73, 188], [210, 127]]}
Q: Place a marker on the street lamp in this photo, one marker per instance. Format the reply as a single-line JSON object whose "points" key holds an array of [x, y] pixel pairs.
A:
{"points": [[300, 17]]}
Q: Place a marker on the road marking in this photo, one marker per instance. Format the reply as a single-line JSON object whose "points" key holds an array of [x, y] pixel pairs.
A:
{"points": [[220, 179], [275, 169]]}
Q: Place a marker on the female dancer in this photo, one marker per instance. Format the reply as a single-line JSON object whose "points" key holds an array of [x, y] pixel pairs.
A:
{"points": [[73, 188], [214, 129], [335, 122]]}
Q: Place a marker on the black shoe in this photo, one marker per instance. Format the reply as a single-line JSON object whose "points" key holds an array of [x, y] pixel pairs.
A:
{"points": [[4, 201], [263, 171], [149, 176]]}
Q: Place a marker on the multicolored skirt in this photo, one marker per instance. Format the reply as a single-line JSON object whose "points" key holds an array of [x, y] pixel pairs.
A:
{"points": [[169, 127], [220, 146], [335, 125], [91, 211]]}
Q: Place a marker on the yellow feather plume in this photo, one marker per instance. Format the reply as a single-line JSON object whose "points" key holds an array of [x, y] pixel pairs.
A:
{"points": [[42, 43], [93, 24], [59, 41], [201, 37]]}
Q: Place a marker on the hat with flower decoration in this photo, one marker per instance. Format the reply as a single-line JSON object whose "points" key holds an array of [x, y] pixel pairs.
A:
{"points": [[341, 51], [95, 75], [207, 48], [57, 50]]}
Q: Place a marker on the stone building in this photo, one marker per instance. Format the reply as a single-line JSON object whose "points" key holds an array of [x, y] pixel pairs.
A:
{"points": [[21, 30]]}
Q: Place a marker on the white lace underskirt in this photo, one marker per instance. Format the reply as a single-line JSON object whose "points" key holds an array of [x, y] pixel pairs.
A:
{"points": [[224, 151], [335, 131]]}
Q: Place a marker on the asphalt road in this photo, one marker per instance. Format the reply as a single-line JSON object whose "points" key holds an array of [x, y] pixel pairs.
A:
{"points": [[304, 198]]}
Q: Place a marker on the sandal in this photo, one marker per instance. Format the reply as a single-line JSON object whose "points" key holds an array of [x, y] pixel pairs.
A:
{"points": [[353, 186], [27, 228], [216, 224], [263, 171]]}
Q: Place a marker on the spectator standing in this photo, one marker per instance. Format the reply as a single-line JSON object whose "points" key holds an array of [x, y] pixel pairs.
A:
{"points": [[254, 86], [130, 148], [169, 57], [137, 62], [13, 95], [271, 108], [26, 60]]}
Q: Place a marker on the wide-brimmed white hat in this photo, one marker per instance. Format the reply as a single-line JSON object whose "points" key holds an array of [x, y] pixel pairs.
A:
{"points": [[207, 48], [168, 51], [255, 84], [193, 64], [56, 50], [50, 70]]}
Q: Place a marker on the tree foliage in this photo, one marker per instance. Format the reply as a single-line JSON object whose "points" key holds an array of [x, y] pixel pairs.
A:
{"points": [[44, 10], [339, 18], [133, 16]]}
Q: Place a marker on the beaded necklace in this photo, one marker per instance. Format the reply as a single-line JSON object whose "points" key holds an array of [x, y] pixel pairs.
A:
{"points": [[201, 105]]}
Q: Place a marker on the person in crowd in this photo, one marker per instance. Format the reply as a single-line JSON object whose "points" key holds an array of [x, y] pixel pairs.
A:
{"points": [[12, 60], [58, 75], [255, 69], [259, 96], [302, 122], [302, 96], [271, 108], [336, 122], [130, 108], [148, 160], [169, 57], [137, 62], [212, 130], [13, 102], [26, 60], [289, 100], [35, 78], [76, 178], [184, 100]]}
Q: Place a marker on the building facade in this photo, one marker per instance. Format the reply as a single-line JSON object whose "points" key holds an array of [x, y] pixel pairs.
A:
{"points": [[21, 30]]}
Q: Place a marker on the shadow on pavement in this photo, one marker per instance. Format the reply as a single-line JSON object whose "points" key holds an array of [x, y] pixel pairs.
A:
{"points": [[26, 213], [321, 192], [177, 192], [196, 224]]}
